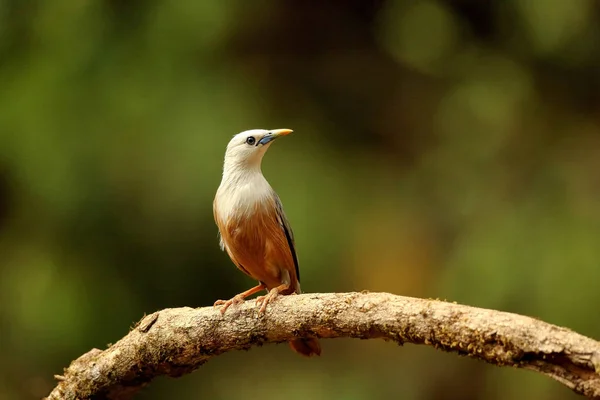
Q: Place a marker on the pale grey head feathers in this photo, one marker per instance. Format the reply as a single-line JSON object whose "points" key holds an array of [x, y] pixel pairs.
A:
{"points": [[243, 184], [246, 149]]}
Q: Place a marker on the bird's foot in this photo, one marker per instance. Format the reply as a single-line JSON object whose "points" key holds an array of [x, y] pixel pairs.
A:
{"points": [[266, 299], [235, 300]]}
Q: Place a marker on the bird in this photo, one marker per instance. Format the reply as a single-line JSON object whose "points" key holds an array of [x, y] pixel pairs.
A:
{"points": [[253, 228]]}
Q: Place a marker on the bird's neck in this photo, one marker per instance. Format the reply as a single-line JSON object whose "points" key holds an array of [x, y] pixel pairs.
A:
{"points": [[235, 173], [240, 191]]}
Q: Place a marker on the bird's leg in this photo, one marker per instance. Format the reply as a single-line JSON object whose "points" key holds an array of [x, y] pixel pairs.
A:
{"points": [[271, 296], [238, 298]]}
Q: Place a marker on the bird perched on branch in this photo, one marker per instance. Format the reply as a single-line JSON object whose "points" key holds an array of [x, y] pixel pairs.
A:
{"points": [[253, 228]]}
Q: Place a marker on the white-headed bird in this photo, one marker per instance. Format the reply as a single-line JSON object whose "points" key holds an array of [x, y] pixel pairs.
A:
{"points": [[253, 228]]}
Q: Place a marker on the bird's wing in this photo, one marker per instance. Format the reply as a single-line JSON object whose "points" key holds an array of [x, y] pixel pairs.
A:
{"points": [[217, 220], [287, 229], [221, 242]]}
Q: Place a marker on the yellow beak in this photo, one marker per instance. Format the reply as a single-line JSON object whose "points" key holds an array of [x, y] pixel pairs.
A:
{"points": [[281, 132], [274, 134]]}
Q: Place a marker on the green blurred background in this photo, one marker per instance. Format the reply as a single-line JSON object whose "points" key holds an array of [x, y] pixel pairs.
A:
{"points": [[443, 149]]}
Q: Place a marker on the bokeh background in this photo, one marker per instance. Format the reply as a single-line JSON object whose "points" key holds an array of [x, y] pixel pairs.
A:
{"points": [[444, 149]]}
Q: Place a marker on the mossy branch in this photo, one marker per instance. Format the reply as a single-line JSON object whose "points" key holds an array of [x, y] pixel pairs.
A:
{"points": [[176, 341]]}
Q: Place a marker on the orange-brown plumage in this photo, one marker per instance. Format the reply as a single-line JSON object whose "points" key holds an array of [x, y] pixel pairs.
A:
{"points": [[258, 246], [253, 227]]}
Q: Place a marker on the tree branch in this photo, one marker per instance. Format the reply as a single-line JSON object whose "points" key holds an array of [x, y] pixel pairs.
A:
{"points": [[176, 341]]}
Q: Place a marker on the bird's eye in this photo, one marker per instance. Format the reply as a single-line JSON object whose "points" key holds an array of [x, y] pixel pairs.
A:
{"points": [[250, 140]]}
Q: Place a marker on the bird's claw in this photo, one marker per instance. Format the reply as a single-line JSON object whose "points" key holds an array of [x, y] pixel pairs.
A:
{"points": [[235, 300], [266, 299]]}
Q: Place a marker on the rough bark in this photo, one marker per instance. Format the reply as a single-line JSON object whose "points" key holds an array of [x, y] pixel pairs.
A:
{"points": [[176, 341]]}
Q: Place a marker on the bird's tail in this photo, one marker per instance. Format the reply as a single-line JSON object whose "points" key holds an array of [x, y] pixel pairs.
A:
{"points": [[306, 347]]}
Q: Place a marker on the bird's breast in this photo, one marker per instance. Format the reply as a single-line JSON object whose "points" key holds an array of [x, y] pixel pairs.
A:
{"points": [[252, 235], [239, 198], [242, 212]]}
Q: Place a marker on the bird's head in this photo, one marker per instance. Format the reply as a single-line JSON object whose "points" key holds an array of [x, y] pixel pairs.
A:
{"points": [[247, 148]]}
